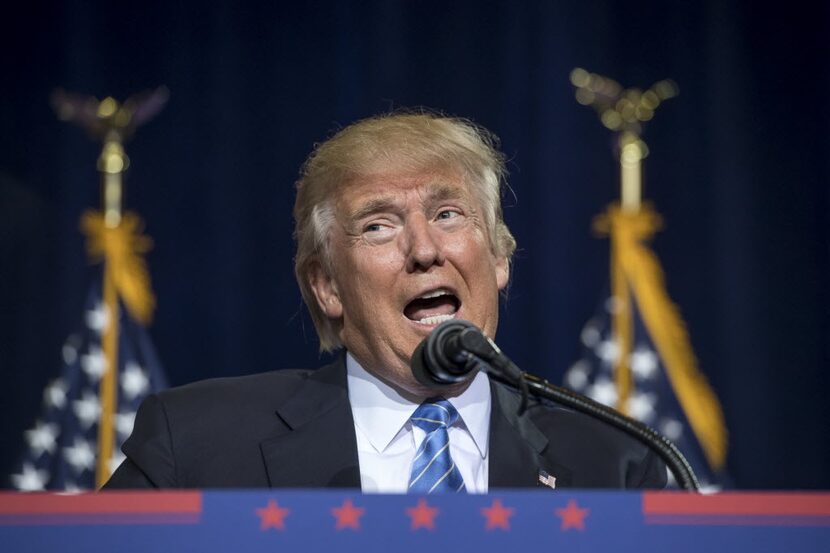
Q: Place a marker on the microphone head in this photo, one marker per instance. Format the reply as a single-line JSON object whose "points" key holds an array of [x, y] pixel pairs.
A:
{"points": [[439, 360]]}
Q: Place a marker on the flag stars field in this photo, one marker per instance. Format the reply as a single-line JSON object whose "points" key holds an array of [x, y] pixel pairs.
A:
{"points": [[641, 406], [30, 479], [80, 455], [590, 335], [671, 428], [94, 364], [42, 437], [134, 381], [604, 391], [608, 351], [55, 394], [69, 352], [96, 319], [644, 363], [87, 409], [577, 376]]}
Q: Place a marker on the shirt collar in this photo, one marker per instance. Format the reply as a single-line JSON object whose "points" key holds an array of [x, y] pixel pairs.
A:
{"points": [[380, 411]]}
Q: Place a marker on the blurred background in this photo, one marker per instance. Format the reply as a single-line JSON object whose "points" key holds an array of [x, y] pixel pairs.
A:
{"points": [[739, 169]]}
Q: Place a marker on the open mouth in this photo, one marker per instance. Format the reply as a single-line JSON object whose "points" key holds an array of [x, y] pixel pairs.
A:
{"points": [[433, 308]]}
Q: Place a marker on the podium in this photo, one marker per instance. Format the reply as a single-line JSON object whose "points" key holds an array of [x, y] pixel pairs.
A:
{"points": [[505, 521]]}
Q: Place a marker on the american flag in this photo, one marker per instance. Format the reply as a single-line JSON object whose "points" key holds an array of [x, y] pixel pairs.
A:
{"points": [[652, 399], [61, 447]]}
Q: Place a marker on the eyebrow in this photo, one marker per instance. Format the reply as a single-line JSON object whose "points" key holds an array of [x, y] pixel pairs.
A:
{"points": [[375, 205], [440, 192], [435, 193]]}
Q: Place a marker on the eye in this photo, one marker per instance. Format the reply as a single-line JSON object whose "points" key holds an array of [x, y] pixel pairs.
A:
{"points": [[447, 214], [378, 230]]}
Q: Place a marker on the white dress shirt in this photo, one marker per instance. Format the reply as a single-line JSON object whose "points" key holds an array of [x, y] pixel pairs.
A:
{"points": [[387, 440]]}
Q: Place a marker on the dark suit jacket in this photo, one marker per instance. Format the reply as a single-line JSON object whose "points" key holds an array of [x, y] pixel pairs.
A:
{"points": [[295, 429]]}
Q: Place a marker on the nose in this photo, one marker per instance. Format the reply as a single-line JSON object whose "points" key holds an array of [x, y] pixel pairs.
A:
{"points": [[423, 247]]}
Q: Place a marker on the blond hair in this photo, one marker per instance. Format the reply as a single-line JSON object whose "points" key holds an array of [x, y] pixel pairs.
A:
{"points": [[409, 142]]}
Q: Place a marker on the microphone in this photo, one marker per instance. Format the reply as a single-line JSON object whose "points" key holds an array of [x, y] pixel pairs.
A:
{"points": [[456, 350], [447, 356]]}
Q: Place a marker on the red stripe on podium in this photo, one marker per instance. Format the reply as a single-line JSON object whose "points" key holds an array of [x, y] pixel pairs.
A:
{"points": [[103, 503], [745, 503]]}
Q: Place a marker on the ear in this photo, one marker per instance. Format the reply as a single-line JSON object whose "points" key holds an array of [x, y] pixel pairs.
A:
{"points": [[502, 272], [325, 290]]}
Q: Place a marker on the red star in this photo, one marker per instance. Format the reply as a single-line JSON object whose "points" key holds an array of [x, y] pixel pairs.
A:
{"points": [[348, 516], [272, 515], [497, 515], [423, 516], [572, 516]]}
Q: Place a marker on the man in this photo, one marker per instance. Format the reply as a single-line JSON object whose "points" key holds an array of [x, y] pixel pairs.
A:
{"points": [[399, 228]]}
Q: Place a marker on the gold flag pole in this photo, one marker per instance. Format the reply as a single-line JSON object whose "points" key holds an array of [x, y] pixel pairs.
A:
{"points": [[635, 270], [114, 237]]}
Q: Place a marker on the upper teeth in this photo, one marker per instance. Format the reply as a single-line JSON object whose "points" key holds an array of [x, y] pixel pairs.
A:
{"points": [[434, 294]]}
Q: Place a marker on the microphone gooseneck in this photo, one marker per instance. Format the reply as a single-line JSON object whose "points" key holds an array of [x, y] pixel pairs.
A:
{"points": [[457, 349]]}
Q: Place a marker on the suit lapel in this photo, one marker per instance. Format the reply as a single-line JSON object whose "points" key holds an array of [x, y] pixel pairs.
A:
{"points": [[517, 446], [317, 448]]}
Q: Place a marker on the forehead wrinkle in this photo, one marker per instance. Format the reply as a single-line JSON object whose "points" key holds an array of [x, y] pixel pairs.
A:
{"points": [[431, 192]]}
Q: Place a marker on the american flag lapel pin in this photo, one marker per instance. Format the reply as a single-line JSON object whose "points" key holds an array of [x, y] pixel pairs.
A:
{"points": [[546, 479]]}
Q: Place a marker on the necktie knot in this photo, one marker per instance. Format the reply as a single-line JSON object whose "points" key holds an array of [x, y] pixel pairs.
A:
{"points": [[434, 413]]}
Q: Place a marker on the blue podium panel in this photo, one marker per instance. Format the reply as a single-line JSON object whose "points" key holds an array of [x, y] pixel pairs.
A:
{"points": [[508, 521]]}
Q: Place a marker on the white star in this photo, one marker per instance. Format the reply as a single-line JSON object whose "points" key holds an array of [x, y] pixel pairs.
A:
{"points": [[641, 406], [87, 409], [643, 363], [134, 381], [604, 391], [671, 428], [69, 352], [590, 335], [30, 479], [124, 423], [55, 394], [116, 460], [608, 351], [42, 437], [94, 363], [97, 318], [80, 455], [577, 375]]}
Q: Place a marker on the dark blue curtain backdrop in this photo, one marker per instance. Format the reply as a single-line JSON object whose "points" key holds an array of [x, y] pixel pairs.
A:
{"points": [[739, 168]]}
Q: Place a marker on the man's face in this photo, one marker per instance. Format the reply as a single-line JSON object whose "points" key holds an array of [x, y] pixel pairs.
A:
{"points": [[408, 251]]}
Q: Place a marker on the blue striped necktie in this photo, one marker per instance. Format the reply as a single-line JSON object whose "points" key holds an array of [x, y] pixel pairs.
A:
{"points": [[433, 470]]}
